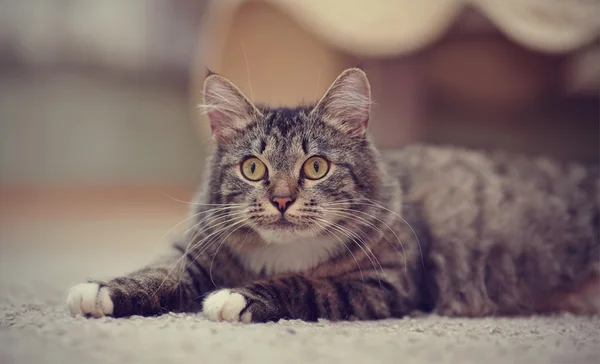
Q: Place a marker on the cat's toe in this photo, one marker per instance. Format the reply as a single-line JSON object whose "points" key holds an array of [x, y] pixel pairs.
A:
{"points": [[89, 299], [225, 305]]}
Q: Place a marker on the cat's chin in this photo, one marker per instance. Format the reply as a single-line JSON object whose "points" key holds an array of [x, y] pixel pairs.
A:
{"points": [[278, 235]]}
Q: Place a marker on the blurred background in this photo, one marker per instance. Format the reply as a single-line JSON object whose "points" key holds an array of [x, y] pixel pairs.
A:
{"points": [[97, 97]]}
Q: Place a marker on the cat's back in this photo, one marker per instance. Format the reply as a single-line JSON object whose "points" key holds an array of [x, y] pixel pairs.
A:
{"points": [[496, 192], [501, 217], [500, 176]]}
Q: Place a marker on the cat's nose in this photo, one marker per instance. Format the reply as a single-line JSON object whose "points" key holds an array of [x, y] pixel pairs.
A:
{"points": [[282, 202]]}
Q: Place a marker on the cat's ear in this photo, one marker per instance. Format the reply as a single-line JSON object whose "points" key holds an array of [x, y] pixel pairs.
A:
{"points": [[228, 109], [347, 103]]}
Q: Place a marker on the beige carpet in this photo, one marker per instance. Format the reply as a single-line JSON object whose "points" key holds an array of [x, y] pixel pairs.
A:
{"points": [[43, 253]]}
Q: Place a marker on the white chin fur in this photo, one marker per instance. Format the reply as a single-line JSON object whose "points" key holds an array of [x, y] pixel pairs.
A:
{"points": [[273, 236]]}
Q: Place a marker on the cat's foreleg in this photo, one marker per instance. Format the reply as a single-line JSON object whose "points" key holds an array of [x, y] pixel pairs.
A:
{"points": [[172, 283], [305, 298]]}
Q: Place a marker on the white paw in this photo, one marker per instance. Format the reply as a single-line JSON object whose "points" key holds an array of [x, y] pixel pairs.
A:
{"points": [[89, 299], [223, 305]]}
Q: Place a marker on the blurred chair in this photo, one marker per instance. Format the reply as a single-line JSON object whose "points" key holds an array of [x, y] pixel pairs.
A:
{"points": [[519, 75]]}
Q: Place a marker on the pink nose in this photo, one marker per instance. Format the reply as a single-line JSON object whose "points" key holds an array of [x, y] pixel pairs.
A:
{"points": [[282, 202]]}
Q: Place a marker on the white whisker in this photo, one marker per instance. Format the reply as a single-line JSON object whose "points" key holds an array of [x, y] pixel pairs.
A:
{"points": [[186, 253], [213, 222], [208, 240], [247, 70], [220, 209], [349, 214], [357, 239], [326, 229], [219, 247], [375, 204], [201, 204], [318, 82], [205, 241]]}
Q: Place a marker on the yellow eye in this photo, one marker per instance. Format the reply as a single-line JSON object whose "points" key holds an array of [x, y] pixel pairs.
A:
{"points": [[315, 168], [254, 169]]}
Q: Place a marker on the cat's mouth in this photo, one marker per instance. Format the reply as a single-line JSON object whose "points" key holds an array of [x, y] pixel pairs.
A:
{"points": [[283, 223]]}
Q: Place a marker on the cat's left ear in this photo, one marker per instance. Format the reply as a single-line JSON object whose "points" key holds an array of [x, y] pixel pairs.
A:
{"points": [[228, 109], [347, 103]]}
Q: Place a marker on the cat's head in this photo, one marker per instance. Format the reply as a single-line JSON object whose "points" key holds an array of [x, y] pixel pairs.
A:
{"points": [[291, 172]]}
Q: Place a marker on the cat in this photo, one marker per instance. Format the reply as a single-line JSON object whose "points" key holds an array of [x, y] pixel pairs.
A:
{"points": [[301, 217]]}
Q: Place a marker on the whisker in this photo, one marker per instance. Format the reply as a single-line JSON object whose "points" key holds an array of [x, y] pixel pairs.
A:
{"points": [[206, 221], [207, 241], [213, 223], [318, 82], [200, 204], [349, 214], [204, 243], [246, 237], [178, 261], [326, 229], [247, 70], [219, 247], [357, 239], [219, 209], [374, 204]]}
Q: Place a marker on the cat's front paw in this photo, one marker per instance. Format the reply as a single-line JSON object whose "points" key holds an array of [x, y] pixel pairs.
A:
{"points": [[225, 305], [89, 299]]}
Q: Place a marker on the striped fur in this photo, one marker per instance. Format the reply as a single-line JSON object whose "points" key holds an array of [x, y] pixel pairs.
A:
{"points": [[456, 232]]}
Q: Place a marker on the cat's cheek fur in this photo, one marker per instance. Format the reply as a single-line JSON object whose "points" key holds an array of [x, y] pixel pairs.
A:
{"points": [[89, 299], [225, 305]]}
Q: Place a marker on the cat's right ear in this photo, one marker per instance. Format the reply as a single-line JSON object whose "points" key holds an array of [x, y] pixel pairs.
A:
{"points": [[228, 109]]}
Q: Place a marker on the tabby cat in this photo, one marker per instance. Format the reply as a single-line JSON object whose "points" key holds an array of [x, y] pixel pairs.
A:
{"points": [[301, 217]]}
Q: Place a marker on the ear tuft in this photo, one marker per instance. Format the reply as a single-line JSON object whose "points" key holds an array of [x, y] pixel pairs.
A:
{"points": [[209, 72], [347, 103], [227, 108]]}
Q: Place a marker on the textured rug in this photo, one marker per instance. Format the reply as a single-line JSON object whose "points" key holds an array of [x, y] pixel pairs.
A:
{"points": [[40, 261]]}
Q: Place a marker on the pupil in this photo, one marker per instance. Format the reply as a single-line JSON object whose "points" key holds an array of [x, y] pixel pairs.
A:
{"points": [[316, 166], [252, 167]]}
